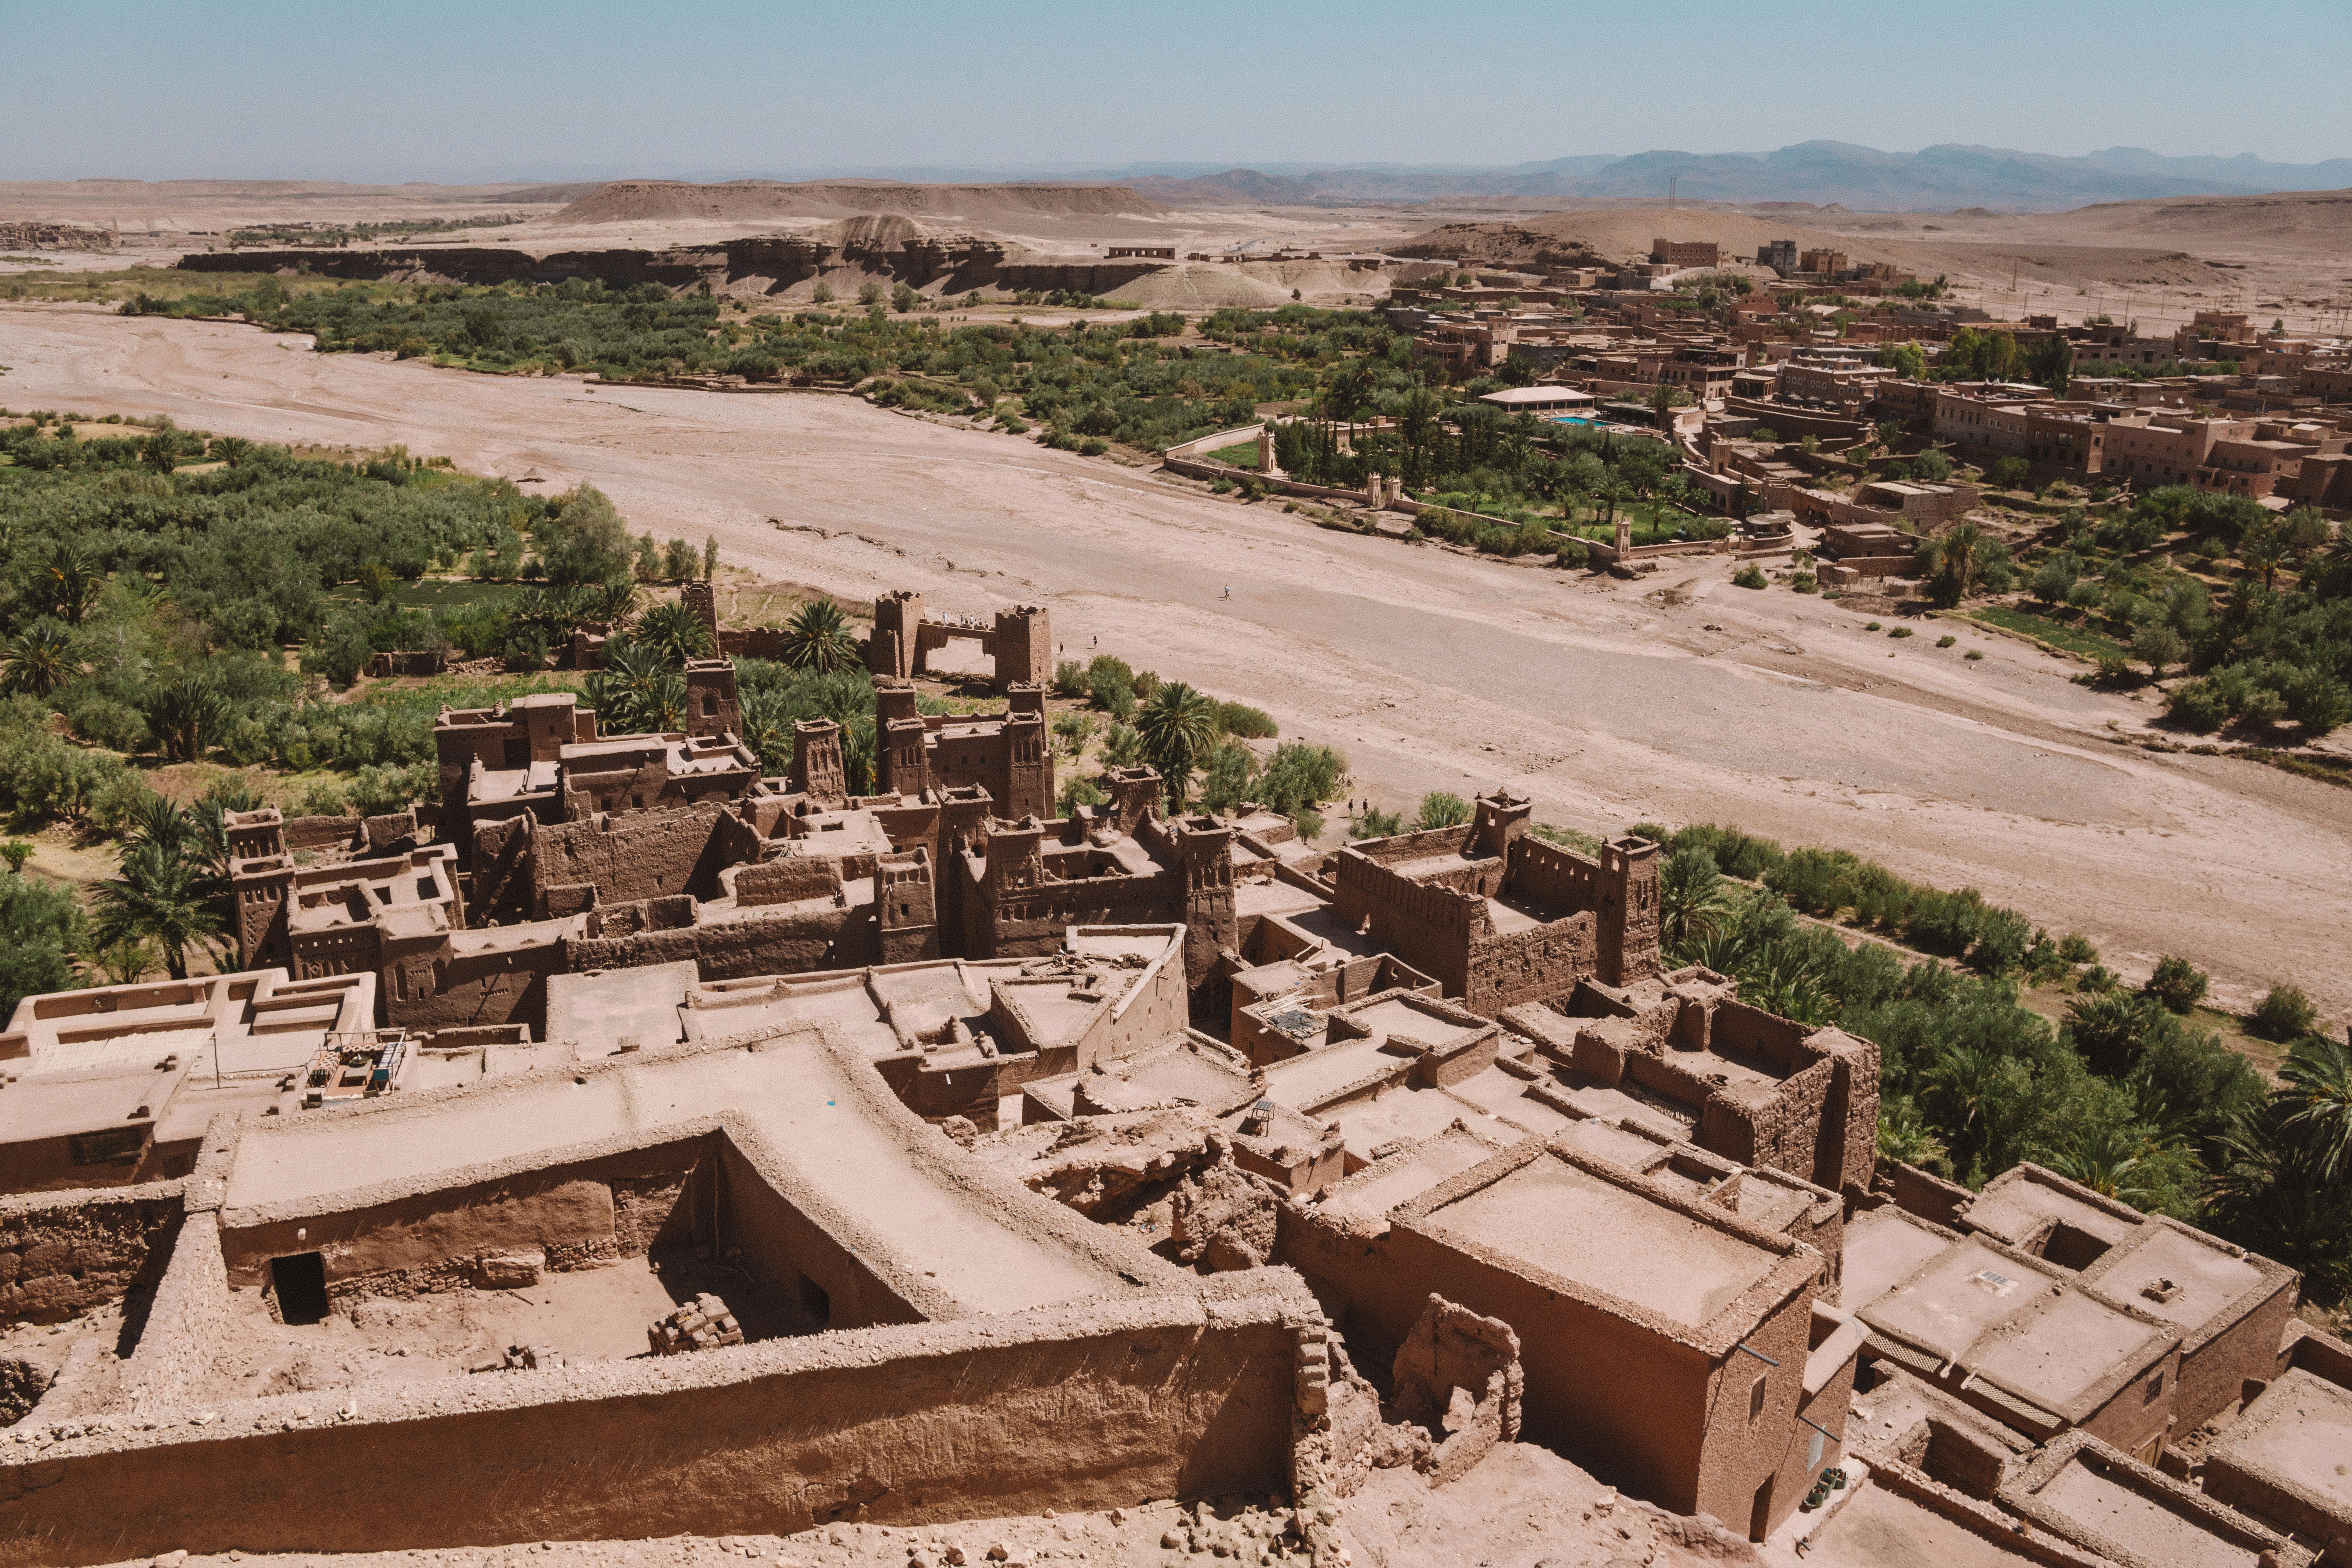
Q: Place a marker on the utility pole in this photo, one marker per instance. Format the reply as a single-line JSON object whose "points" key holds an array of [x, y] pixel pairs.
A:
{"points": [[1671, 182]]}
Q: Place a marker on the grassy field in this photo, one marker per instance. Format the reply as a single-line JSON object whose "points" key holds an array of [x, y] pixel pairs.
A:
{"points": [[2081, 641], [1241, 455], [432, 593]]}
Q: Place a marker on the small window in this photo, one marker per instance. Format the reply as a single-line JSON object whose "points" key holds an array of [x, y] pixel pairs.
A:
{"points": [[2155, 1388], [1756, 1398]]}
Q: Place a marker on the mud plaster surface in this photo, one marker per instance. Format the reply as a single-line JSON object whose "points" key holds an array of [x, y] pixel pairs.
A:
{"points": [[1522, 1506], [1431, 669], [1878, 1529], [587, 1314]]}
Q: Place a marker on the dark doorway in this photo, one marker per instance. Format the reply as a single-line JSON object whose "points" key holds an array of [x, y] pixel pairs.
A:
{"points": [[1760, 1520], [300, 1282]]}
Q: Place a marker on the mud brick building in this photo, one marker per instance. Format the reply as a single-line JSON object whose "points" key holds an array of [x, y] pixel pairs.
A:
{"points": [[1498, 917], [1008, 755], [1020, 640]]}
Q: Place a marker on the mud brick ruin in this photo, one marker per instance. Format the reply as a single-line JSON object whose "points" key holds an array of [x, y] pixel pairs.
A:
{"points": [[938, 1127]]}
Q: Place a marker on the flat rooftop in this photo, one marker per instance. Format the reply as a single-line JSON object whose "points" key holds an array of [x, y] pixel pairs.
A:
{"points": [[2182, 1275], [2300, 1431], [2025, 1328], [2015, 1207], [1616, 1239], [844, 1148], [1372, 1192], [1883, 1248], [2112, 1503]]}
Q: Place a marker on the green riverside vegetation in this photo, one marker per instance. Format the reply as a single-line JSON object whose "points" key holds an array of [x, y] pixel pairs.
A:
{"points": [[2126, 1094]]}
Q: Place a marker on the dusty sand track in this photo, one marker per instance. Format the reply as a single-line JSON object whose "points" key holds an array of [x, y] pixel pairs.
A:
{"points": [[1433, 669]]}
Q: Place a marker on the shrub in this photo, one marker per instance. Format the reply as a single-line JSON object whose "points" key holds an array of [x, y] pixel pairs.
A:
{"points": [[1111, 685], [1736, 854], [1069, 678], [1749, 576], [1947, 640], [1248, 724], [1900, 632], [1439, 808], [2285, 1014], [2196, 705], [2004, 941], [1573, 555], [1374, 823], [2177, 983], [1805, 583], [1973, 653], [2075, 948], [1873, 627]]}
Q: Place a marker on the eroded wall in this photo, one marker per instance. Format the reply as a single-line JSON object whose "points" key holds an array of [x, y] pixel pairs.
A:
{"points": [[1078, 1409]]}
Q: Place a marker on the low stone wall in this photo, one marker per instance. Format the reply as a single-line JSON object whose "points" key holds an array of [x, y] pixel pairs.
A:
{"points": [[1091, 1407]]}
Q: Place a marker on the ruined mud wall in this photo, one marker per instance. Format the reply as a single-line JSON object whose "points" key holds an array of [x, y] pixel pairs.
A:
{"points": [[623, 858], [796, 942], [1778, 1125], [62, 1253], [1184, 1394], [1550, 875], [787, 1252], [488, 984], [435, 1240], [1030, 922], [187, 1321], [1430, 927], [1539, 965]]}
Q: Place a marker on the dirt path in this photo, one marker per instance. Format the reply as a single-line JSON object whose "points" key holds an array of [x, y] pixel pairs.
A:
{"points": [[1433, 669]]}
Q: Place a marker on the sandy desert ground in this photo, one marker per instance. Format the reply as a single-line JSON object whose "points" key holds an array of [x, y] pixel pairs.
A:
{"points": [[1607, 703], [2279, 257]]}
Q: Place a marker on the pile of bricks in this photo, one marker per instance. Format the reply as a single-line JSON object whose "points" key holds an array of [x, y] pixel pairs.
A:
{"points": [[702, 1324]]}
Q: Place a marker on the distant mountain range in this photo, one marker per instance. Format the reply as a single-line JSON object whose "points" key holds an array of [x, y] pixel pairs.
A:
{"points": [[1821, 174]]}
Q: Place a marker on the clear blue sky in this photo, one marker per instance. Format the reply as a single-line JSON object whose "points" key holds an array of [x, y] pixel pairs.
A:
{"points": [[430, 90]]}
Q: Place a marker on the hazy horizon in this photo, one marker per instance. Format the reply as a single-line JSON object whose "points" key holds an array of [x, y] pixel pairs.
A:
{"points": [[594, 91]]}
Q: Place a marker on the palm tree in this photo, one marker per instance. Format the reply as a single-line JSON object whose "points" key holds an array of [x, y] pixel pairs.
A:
{"points": [[72, 581], [38, 660], [613, 601], [2272, 1197], [159, 898], [661, 707], [857, 755], [1956, 555], [621, 692], [2317, 1097], [2103, 1159], [1179, 725], [1904, 1135], [1692, 898], [816, 637], [675, 632], [1420, 417], [186, 715], [768, 728]]}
